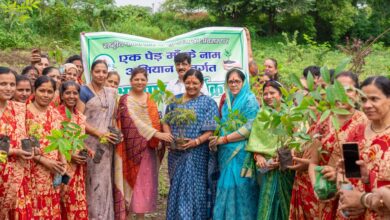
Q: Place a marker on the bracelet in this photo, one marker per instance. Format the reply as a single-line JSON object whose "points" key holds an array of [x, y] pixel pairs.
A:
{"points": [[197, 141], [39, 159], [362, 198], [365, 200], [225, 139]]}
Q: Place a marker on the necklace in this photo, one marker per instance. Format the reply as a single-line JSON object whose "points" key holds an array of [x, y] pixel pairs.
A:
{"points": [[103, 106], [372, 129]]}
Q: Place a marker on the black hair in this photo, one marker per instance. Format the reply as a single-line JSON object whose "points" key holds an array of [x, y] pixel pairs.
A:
{"points": [[273, 61], [181, 57], [274, 84], [5, 70], [96, 62], [234, 70], [48, 70], [113, 72], [350, 75], [73, 58], [65, 85], [44, 79], [138, 70], [21, 78], [314, 70], [381, 82], [28, 68], [194, 72]]}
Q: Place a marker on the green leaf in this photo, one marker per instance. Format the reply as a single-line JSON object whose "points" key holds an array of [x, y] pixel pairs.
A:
{"points": [[51, 147], [335, 122], [325, 115], [68, 114], [161, 85], [296, 81], [310, 81], [330, 96], [325, 75], [340, 111], [341, 66]]}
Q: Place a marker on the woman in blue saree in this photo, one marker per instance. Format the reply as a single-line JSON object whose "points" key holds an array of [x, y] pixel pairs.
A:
{"points": [[275, 185], [237, 190], [190, 167]]}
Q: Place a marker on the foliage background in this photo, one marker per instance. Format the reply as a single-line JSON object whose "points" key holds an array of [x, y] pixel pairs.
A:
{"points": [[297, 33]]}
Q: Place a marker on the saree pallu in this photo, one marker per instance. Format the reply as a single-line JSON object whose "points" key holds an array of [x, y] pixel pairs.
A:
{"points": [[136, 158], [73, 195], [15, 176], [192, 172], [275, 195], [99, 113], [45, 198]]}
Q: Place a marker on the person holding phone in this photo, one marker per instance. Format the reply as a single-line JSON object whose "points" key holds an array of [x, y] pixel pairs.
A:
{"points": [[376, 154], [331, 142]]}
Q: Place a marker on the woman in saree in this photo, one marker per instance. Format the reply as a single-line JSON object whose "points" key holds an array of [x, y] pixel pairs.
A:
{"points": [[98, 105], [275, 185], [23, 89], [136, 159], [237, 193], [73, 195], [41, 118], [376, 152], [190, 167], [55, 74], [330, 151], [15, 194]]}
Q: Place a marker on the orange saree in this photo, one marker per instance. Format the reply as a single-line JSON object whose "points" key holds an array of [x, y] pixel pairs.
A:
{"points": [[45, 198], [15, 193], [73, 196]]}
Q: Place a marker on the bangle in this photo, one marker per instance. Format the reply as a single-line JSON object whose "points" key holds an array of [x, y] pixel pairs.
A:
{"points": [[197, 142], [39, 159], [362, 198], [225, 139], [365, 200]]}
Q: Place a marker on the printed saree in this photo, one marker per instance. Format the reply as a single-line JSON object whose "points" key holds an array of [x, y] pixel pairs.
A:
{"points": [[237, 195], [136, 162], [15, 191], [331, 153], [73, 196], [45, 198], [191, 171]]}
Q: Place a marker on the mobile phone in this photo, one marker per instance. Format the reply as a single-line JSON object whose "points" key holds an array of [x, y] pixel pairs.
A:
{"points": [[351, 155]]}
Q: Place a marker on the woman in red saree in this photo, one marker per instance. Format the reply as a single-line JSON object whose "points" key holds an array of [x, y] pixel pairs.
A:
{"points": [[136, 158], [331, 151], [41, 118], [15, 194], [73, 196], [376, 154]]}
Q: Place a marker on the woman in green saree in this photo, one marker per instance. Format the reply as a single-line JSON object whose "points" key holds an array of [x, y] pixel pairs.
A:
{"points": [[275, 185]]}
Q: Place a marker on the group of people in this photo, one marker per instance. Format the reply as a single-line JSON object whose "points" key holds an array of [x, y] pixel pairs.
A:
{"points": [[235, 175]]}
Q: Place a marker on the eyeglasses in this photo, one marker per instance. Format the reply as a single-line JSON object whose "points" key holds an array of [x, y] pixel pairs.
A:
{"points": [[232, 82]]}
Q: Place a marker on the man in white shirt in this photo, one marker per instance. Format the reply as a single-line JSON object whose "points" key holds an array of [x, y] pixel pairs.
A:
{"points": [[182, 65]]}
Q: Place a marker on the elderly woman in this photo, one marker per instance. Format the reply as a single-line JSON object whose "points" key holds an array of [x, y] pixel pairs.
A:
{"points": [[188, 167], [236, 194], [376, 153], [275, 185]]}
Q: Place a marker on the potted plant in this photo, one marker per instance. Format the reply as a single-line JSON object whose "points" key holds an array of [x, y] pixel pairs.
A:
{"points": [[4, 148], [66, 140], [180, 116]]}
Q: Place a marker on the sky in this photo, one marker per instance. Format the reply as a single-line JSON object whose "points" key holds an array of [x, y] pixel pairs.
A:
{"points": [[149, 3]]}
